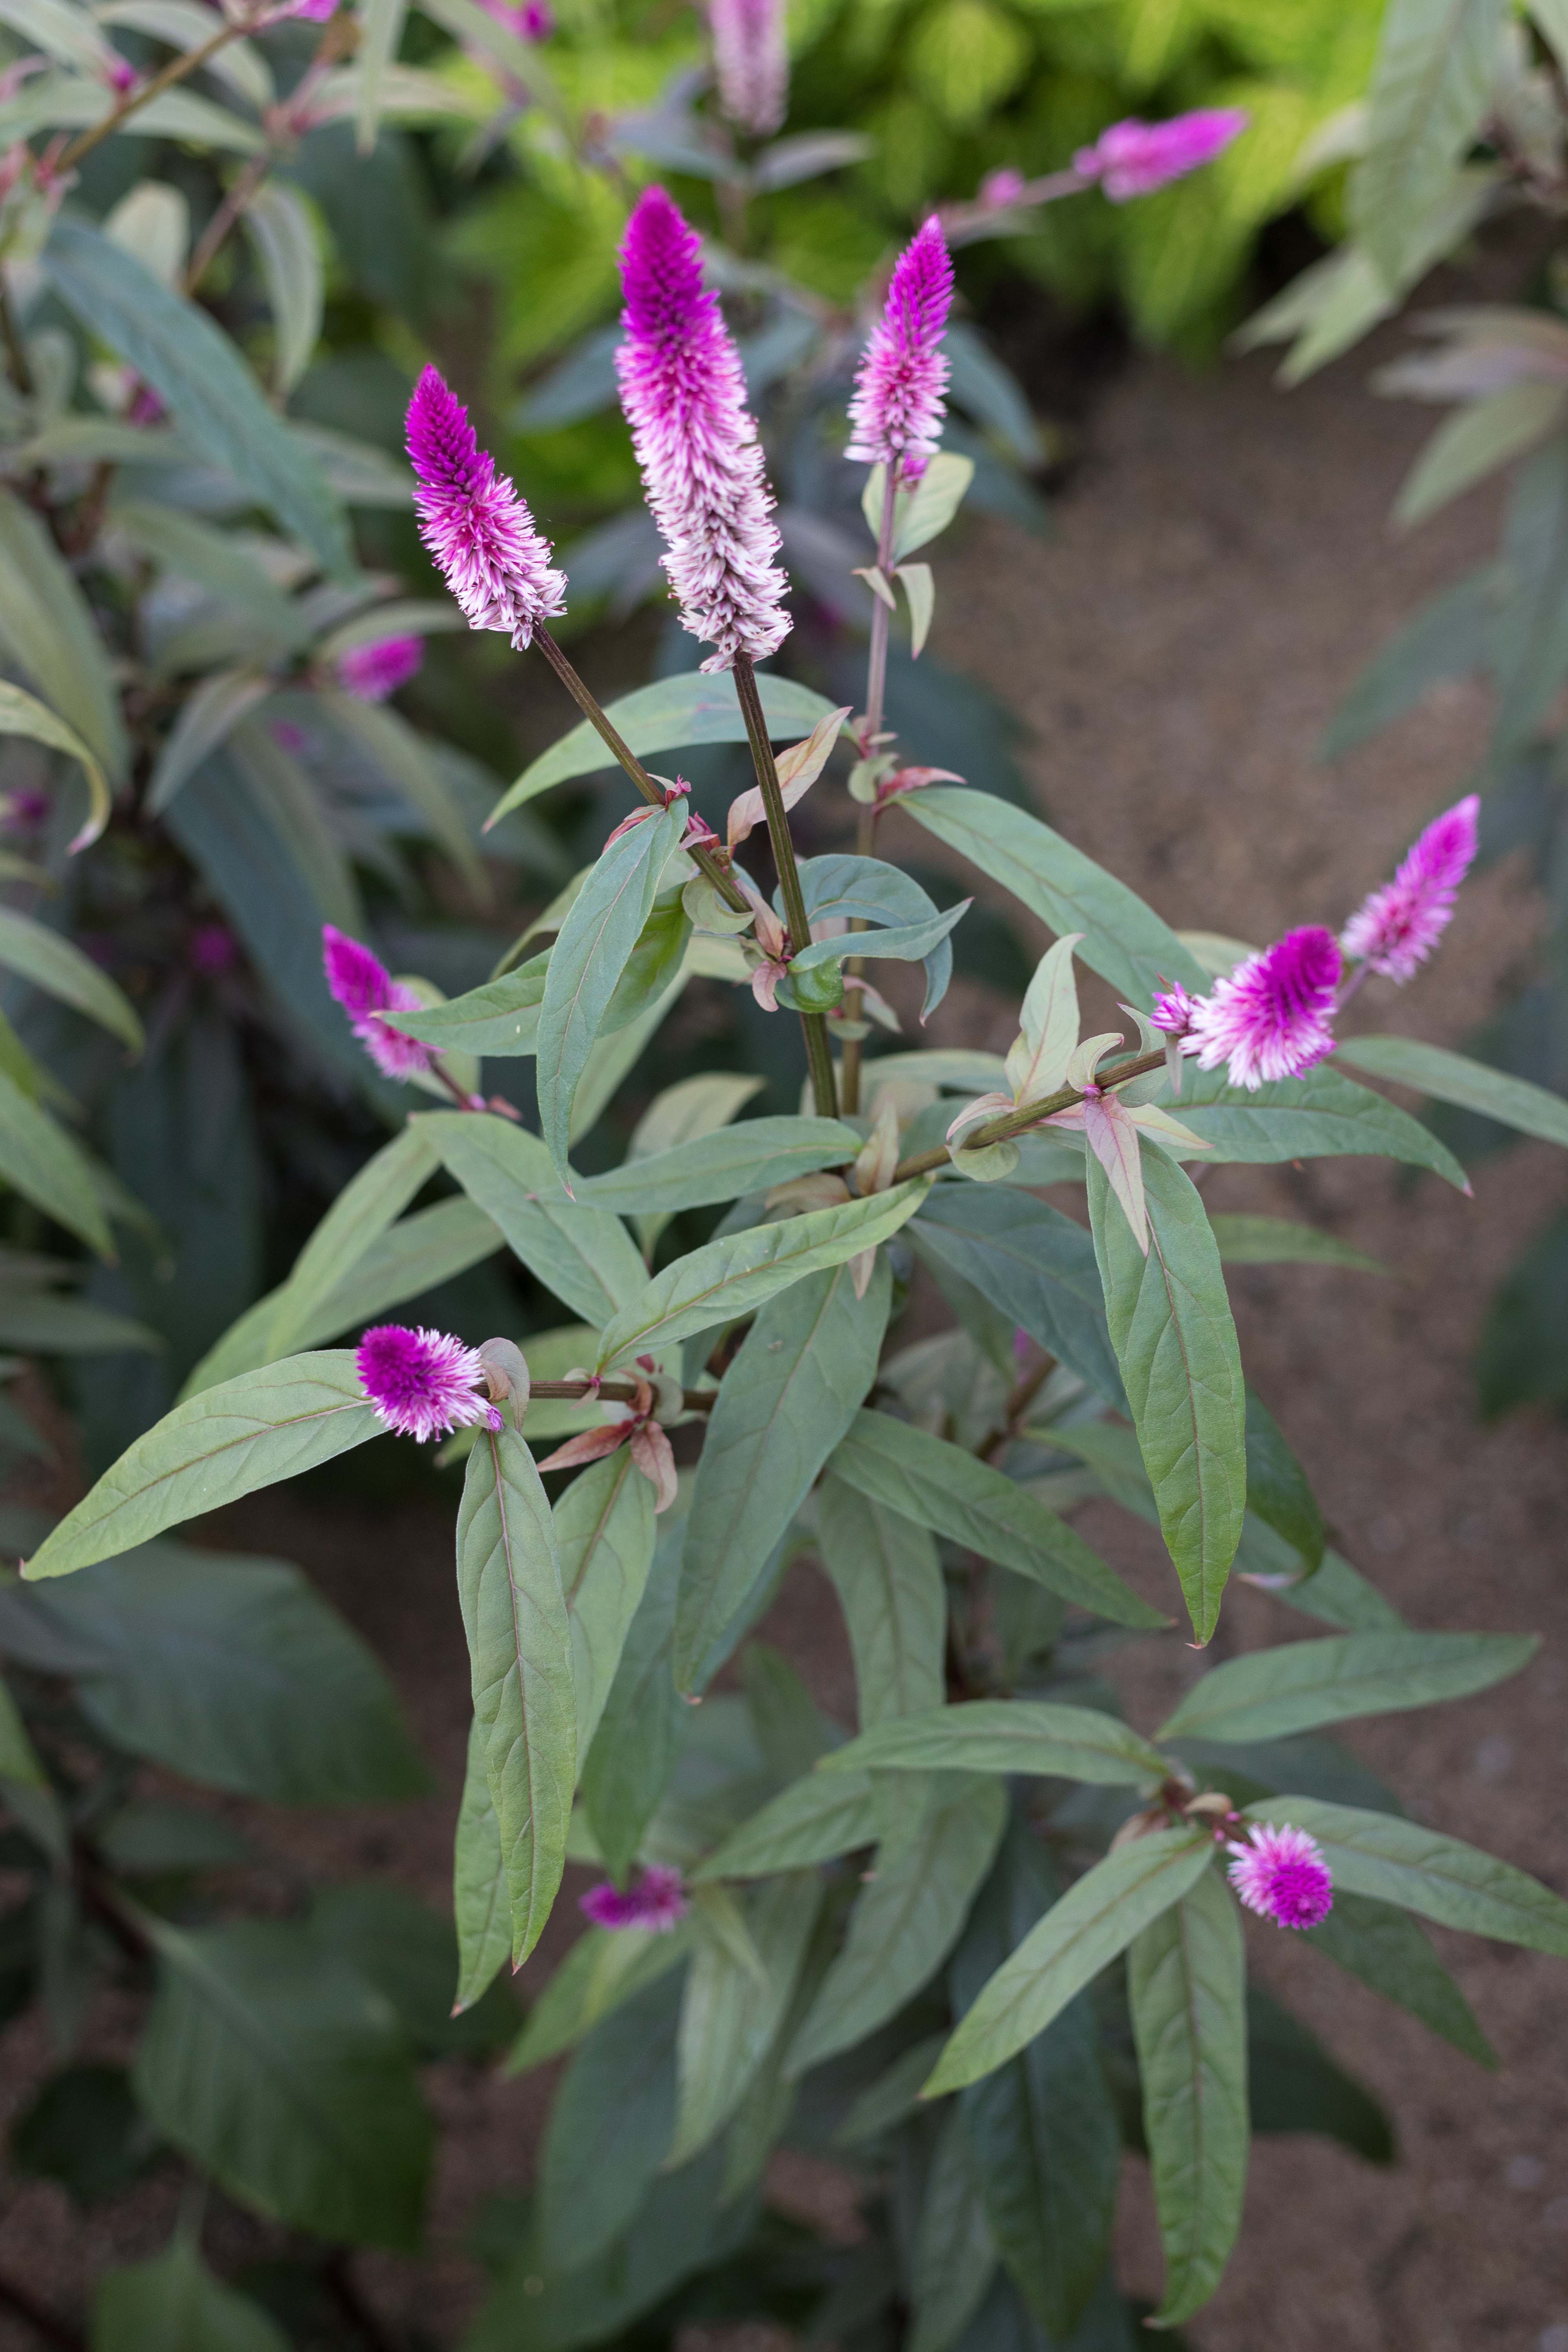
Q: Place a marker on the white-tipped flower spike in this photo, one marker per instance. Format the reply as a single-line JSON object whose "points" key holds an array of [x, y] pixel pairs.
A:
{"points": [[751, 62], [898, 408], [476, 527]]}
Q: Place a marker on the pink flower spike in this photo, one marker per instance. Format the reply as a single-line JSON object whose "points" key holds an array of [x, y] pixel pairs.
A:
{"points": [[657, 1902], [685, 399], [479, 532], [1271, 1018], [365, 989], [1281, 1875], [1395, 928], [897, 407], [1134, 158], [751, 62], [423, 1384], [370, 673]]}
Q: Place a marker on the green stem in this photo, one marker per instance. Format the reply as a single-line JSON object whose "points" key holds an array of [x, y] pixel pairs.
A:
{"points": [[1018, 1122], [177, 71], [818, 1052], [875, 695]]}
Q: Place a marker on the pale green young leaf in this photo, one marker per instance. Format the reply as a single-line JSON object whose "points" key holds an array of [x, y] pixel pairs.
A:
{"points": [[519, 1651], [47, 626], [604, 1528], [276, 2069], [62, 32], [498, 1019], [1095, 1919], [996, 1735], [1386, 1950], [1049, 1026], [38, 1159], [957, 1496], [920, 587], [1305, 1685], [277, 222], [793, 1388], [1477, 438], [51, 963], [667, 716], [583, 1255], [1248, 1240], [1405, 1862], [922, 513], [887, 1572], [265, 1426], [907, 1917], [956, 2254], [185, 24], [1455, 1078], [200, 378], [481, 1907], [23, 714], [721, 1165], [738, 1273], [1187, 1985], [1171, 1326], [175, 2302], [728, 2021], [814, 1820], [1429, 94], [381, 22], [591, 952]]}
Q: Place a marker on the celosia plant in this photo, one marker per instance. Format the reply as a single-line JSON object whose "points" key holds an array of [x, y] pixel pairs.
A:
{"points": [[883, 1932]]}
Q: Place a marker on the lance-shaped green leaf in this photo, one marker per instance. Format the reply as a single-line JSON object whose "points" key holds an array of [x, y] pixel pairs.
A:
{"points": [[1318, 1117], [498, 1019], [603, 1969], [1049, 1026], [1036, 1265], [887, 1572], [793, 1388], [277, 2069], [722, 1166], [604, 1528], [628, 1767], [1247, 1240], [1122, 939], [957, 1496], [19, 1758], [1305, 1685], [585, 1256], [267, 1425], [1096, 1919], [46, 625], [1277, 1488], [174, 2301], [602, 926], [814, 1820], [1170, 1326], [519, 1651], [200, 378], [906, 1918], [954, 2252], [481, 1905], [737, 1274], [665, 717], [1386, 1950], [609, 2127], [1455, 1078], [23, 714], [280, 228], [39, 1160], [1043, 2129], [898, 943], [1429, 96], [1440, 1877], [996, 1735], [728, 2020], [1187, 1985], [1293, 2085]]}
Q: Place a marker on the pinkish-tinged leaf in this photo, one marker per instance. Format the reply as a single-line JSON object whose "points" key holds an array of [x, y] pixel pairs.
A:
{"points": [[588, 1447], [1113, 1140], [1086, 1057], [798, 769], [651, 1452]]}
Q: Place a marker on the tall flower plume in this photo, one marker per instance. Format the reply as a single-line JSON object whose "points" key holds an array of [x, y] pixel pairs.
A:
{"points": [[476, 527], [751, 62], [1395, 928], [423, 1384], [1270, 1017], [684, 397], [1280, 1874], [1134, 158], [898, 408], [364, 987]]}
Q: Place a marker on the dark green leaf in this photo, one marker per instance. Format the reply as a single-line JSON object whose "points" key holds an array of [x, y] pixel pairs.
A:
{"points": [[604, 1970], [410, 1954], [1321, 1116], [47, 626], [585, 1256], [1273, 1693], [1385, 1948], [954, 2251], [728, 2021], [1455, 1078], [84, 2131], [1446, 638], [722, 1166], [818, 1819], [481, 1903], [604, 1528], [39, 1160], [1277, 1488], [609, 2128], [887, 1572], [175, 2302], [52, 963], [995, 1734], [628, 1767], [1036, 1265], [1296, 2086]]}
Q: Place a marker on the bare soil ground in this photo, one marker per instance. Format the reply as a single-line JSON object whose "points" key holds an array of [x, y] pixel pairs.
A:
{"points": [[1221, 571]]}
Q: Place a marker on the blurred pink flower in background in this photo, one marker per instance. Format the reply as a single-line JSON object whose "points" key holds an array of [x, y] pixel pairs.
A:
{"points": [[1000, 189], [898, 408], [364, 987], [212, 949], [1395, 928], [657, 1901], [370, 673], [751, 62], [1134, 158]]}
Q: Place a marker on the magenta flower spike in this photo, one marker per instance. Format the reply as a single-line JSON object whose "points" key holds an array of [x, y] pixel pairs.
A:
{"points": [[423, 1384], [364, 987], [1172, 1009], [479, 531], [370, 673], [897, 405], [751, 62], [1395, 928], [1281, 1875], [684, 397], [657, 1901], [1134, 158], [1270, 1017]]}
